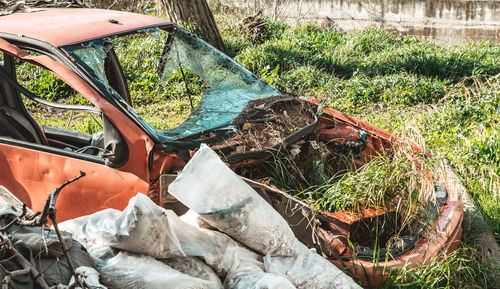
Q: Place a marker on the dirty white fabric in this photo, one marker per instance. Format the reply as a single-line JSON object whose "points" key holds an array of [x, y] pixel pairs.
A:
{"points": [[190, 217], [192, 266], [246, 272], [309, 270], [152, 232], [238, 265], [110, 237], [207, 186], [133, 271], [141, 228], [89, 276], [194, 219]]}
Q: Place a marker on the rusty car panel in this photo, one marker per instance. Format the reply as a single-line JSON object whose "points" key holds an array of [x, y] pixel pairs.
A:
{"points": [[67, 26], [150, 162]]}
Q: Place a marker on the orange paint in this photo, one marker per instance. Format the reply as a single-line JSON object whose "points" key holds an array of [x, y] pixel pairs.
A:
{"points": [[31, 172]]}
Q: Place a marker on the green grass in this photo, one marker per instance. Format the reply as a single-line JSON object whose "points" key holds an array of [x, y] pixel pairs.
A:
{"points": [[464, 128], [462, 268], [449, 96], [162, 103], [453, 91], [311, 178], [377, 184]]}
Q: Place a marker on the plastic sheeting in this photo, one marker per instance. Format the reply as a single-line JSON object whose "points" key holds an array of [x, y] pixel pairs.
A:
{"points": [[88, 276], [136, 247], [246, 272], [126, 243], [132, 271], [309, 270], [146, 246], [192, 266], [207, 186]]}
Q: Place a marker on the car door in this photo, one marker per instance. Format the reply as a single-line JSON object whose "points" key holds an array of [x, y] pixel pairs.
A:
{"points": [[35, 159]]}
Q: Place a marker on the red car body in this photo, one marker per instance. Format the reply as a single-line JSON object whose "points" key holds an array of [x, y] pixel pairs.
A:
{"points": [[32, 169]]}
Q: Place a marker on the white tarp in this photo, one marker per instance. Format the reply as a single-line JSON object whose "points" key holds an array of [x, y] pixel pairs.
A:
{"points": [[207, 186], [137, 248], [134, 271], [146, 246]]}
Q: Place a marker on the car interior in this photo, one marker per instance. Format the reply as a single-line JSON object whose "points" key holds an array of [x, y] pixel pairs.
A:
{"points": [[16, 121], [18, 124]]}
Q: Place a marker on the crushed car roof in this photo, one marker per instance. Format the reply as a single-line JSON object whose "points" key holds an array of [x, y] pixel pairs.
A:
{"points": [[64, 26]]}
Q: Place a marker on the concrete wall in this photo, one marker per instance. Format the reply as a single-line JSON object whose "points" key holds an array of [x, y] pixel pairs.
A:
{"points": [[442, 21]]}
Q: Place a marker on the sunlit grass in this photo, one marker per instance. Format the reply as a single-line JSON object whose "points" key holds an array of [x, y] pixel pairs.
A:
{"points": [[166, 114], [447, 96]]}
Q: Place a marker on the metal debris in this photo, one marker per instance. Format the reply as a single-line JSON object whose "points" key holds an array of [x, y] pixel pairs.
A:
{"points": [[31, 256]]}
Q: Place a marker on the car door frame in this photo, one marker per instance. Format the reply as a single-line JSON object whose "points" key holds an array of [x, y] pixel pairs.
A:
{"points": [[134, 172]]}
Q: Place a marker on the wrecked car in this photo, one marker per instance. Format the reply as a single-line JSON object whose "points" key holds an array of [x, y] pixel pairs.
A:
{"points": [[242, 117]]}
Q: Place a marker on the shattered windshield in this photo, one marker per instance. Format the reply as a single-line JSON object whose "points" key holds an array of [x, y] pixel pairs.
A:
{"points": [[179, 85]]}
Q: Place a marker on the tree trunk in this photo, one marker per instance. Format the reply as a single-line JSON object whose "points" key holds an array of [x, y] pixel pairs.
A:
{"points": [[198, 13]]}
